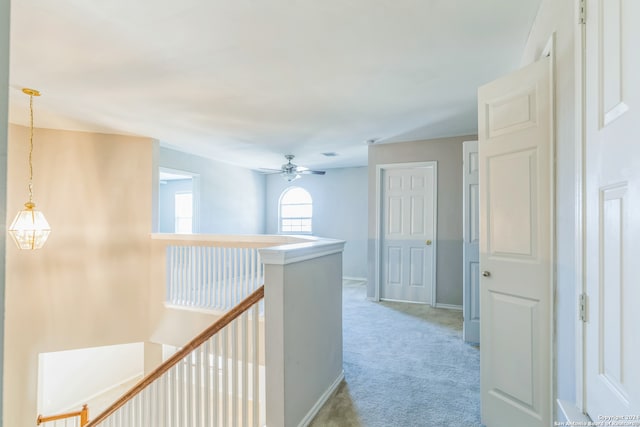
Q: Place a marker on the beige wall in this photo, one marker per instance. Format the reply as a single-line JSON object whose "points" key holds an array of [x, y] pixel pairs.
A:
{"points": [[448, 153], [4, 100], [89, 285]]}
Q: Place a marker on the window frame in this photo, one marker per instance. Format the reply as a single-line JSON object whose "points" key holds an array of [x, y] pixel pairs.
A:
{"points": [[280, 218]]}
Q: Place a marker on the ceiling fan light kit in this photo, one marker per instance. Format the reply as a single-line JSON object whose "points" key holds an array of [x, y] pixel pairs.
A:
{"points": [[290, 171]]}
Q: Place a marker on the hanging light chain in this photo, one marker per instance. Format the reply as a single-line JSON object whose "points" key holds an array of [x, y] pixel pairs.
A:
{"points": [[31, 93], [31, 148]]}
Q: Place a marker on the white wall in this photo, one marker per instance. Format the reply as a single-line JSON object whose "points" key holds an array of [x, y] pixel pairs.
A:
{"points": [[4, 114], [68, 378], [448, 153], [339, 211], [231, 198], [560, 17], [88, 286]]}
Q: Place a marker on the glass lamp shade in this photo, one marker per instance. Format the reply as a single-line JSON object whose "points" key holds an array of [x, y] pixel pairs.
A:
{"points": [[30, 229], [289, 177]]}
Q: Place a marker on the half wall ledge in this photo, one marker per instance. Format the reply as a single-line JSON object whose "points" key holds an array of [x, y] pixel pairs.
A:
{"points": [[313, 247]]}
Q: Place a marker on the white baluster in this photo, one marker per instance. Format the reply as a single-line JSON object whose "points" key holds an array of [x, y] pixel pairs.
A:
{"points": [[163, 402], [217, 413], [225, 377], [245, 368], [236, 273], [208, 277], [189, 385], [206, 349], [181, 272], [234, 373], [171, 279], [191, 273], [173, 395], [225, 274]]}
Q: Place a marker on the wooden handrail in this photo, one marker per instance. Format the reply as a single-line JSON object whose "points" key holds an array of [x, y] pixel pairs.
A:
{"points": [[83, 414], [226, 319]]}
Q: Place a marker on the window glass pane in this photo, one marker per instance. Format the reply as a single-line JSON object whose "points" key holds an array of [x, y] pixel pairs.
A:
{"points": [[296, 210], [183, 225], [184, 212], [184, 204], [296, 195]]}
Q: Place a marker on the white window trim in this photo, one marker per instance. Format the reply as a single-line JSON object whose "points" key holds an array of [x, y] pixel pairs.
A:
{"points": [[285, 191]]}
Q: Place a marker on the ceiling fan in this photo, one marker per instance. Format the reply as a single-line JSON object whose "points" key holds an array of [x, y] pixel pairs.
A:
{"points": [[291, 171]]}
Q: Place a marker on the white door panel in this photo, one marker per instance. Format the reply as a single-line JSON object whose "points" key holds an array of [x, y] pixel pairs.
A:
{"points": [[516, 193], [612, 202], [408, 233], [471, 254]]}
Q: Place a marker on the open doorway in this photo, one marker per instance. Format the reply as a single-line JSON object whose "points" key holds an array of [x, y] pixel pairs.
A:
{"points": [[178, 201]]}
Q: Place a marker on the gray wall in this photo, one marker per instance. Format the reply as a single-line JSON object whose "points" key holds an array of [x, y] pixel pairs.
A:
{"points": [[232, 198], [448, 153], [560, 17], [339, 211]]}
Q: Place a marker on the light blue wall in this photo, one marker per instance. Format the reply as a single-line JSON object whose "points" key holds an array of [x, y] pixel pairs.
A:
{"points": [[231, 198], [339, 211]]}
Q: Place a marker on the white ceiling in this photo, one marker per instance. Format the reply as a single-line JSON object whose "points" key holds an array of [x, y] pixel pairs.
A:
{"points": [[247, 81]]}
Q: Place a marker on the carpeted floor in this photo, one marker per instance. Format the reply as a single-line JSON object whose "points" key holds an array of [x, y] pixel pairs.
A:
{"points": [[405, 366]]}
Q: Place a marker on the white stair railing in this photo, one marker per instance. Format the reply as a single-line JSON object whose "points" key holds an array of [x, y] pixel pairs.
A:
{"points": [[211, 277], [215, 380]]}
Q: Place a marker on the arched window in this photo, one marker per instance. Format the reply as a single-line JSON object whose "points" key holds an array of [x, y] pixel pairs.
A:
{"points": [[296, 210]]}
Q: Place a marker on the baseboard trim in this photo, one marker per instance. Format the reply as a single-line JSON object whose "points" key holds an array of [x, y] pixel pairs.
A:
{"points": [[321, 401], [449, 306], [570, 413], [355, 279]]}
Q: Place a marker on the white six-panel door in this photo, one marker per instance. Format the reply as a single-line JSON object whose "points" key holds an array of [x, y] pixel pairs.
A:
{"points": [[612, 170], [471, 239], [408, 240], [516, 247]]}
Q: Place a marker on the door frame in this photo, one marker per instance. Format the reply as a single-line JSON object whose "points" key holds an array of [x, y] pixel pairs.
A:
{"points": [[580, 284], [378, 229], [466, 232]]}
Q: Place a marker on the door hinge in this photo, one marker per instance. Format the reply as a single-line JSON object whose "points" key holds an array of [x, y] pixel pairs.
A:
{"points": [[583, 307], [582, 11]]}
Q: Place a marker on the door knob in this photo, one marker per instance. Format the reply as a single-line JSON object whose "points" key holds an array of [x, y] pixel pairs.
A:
{"points": [[428, 242], [486, 273]]}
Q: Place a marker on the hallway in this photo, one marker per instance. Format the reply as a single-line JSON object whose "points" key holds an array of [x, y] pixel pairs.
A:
{"points": [[405, 366]]}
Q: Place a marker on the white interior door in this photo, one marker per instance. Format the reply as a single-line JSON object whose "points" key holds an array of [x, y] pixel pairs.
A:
{"points": [[612, 198], [408, 223], [516, 256], [471, 252]]}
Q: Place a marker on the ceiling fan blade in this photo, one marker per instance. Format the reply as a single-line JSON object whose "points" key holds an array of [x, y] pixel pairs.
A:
{"points": [[269, 171], [310, 172]]}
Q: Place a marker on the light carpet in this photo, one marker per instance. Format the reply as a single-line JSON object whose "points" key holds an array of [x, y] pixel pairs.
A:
{"points": [[405, 366]]}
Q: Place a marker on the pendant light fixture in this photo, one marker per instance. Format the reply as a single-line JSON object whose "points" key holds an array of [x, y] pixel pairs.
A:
{"points": [[30, 229]]}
